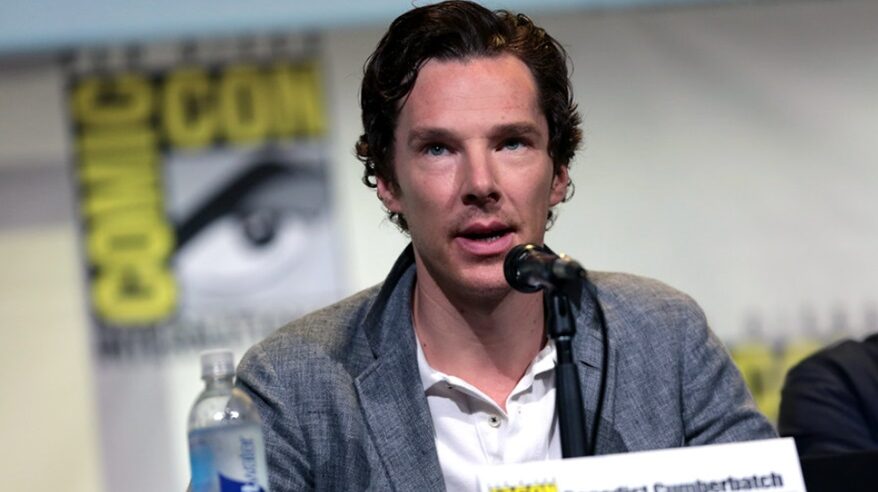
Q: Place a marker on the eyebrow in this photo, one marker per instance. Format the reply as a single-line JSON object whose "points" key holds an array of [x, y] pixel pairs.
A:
{"points": [[515, 129], [428, 134], [422, 135]]}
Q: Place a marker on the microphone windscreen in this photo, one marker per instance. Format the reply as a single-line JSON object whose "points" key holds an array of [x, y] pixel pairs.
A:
{"points": [[512, 268]]}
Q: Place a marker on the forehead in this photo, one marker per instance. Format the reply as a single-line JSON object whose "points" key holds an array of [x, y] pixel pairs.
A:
{"points": [[497, 87]]}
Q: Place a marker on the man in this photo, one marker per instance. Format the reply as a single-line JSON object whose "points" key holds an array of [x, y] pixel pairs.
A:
{"points": [[829, 401], [411, 385]]}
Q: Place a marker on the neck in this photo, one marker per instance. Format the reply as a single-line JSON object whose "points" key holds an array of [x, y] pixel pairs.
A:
{"points": [[489, 344]]}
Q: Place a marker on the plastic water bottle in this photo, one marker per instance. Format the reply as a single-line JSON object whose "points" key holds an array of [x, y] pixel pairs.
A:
{"points": [[226, 449]]}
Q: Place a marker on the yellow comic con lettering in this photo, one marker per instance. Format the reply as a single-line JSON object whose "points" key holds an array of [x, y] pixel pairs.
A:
{"points": [[128, 196], [96, 169], [134, 294], [120, 181], [245, 112], [189, 116], [758, 366], [122, 99], [116, 139], [299, 107], [128, 238], [535, 487]]}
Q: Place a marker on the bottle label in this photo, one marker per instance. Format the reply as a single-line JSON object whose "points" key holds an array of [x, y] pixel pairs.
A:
{"points": [[228, 458]]}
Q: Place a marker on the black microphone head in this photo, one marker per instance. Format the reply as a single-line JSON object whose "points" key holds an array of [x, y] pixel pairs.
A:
{"points": [[512, 267]]}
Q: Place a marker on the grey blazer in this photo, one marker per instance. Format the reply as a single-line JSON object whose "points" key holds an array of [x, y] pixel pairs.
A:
{"points": [[343, 407]]}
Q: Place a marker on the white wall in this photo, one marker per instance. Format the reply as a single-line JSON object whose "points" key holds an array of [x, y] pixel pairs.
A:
{"points": [[47, 407], [727, 153]]}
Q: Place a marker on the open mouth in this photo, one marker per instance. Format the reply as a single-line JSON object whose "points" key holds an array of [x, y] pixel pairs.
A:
{"points": [[485, 233], [486, 236], [486, 239]]}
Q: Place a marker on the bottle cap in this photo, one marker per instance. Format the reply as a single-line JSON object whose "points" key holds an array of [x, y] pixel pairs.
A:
{"points": [[217, 363]]}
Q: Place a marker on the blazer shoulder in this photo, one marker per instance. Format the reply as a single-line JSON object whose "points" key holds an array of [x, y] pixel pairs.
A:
{"points": [[843, 362], [644, 313], [333, 332], [643, 296]]}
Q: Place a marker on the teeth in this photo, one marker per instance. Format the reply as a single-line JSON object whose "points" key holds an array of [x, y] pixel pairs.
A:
{"points": [[489, 239]]}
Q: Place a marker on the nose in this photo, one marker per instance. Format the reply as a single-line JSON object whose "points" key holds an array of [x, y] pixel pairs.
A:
{"points": [[480, 186]]}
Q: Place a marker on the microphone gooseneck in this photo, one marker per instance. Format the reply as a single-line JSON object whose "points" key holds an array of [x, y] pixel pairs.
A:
{"points": [[529, 268]]}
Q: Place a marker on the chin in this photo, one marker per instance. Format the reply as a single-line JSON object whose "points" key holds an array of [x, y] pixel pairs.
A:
{"points": [[489, 289]]}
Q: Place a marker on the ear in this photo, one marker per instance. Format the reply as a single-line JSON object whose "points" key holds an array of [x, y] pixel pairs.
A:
{"points": [[559, 186], [388, 196]]}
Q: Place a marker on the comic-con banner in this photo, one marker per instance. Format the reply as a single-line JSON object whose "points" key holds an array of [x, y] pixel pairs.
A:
{"points": [[203, 195]]}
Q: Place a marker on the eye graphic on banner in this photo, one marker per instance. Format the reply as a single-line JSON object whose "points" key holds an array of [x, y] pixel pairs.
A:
{"points": [[252, 229]]}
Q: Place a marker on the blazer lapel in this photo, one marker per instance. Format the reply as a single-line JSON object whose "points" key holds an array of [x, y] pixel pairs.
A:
{"points": [[390, 390], [588, 347], [399, 421]]}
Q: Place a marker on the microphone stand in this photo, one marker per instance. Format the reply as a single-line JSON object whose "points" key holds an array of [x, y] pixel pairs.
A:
{"points": [[561, 326]]}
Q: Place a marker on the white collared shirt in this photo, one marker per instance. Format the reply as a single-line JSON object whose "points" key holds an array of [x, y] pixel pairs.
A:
{"points": [[471, 430]]}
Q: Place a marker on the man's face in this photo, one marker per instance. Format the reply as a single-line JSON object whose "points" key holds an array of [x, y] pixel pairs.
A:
{"points": [[473, 170]]}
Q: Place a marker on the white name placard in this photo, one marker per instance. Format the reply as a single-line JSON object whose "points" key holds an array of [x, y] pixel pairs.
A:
{"points": [[771, 465]]}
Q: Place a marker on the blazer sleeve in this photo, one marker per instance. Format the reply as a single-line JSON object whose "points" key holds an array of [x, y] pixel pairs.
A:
{"points": [[717, 406], [288, 465], [829, 401]]}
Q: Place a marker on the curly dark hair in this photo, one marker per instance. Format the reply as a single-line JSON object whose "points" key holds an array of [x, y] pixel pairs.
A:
{"points": [[459, 30]]}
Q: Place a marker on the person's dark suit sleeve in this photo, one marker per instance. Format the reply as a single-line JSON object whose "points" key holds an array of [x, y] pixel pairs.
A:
{"points": [[820, 406]]}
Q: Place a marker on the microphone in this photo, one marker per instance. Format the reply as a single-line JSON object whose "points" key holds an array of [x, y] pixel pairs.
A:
{"points": [[530, 267]]}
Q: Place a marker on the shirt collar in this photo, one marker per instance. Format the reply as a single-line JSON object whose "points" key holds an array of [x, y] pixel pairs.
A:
{"points": [[543, 362]]}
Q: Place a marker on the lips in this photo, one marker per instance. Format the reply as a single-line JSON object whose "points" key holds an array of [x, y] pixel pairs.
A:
{"points": [[485, 239]]}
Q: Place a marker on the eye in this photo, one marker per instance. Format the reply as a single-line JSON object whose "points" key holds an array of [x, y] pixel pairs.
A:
{"points": [[513, 144], [435, 150]]}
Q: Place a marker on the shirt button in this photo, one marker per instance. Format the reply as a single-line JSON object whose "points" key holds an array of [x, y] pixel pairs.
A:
{"points": [[494, 421]]}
